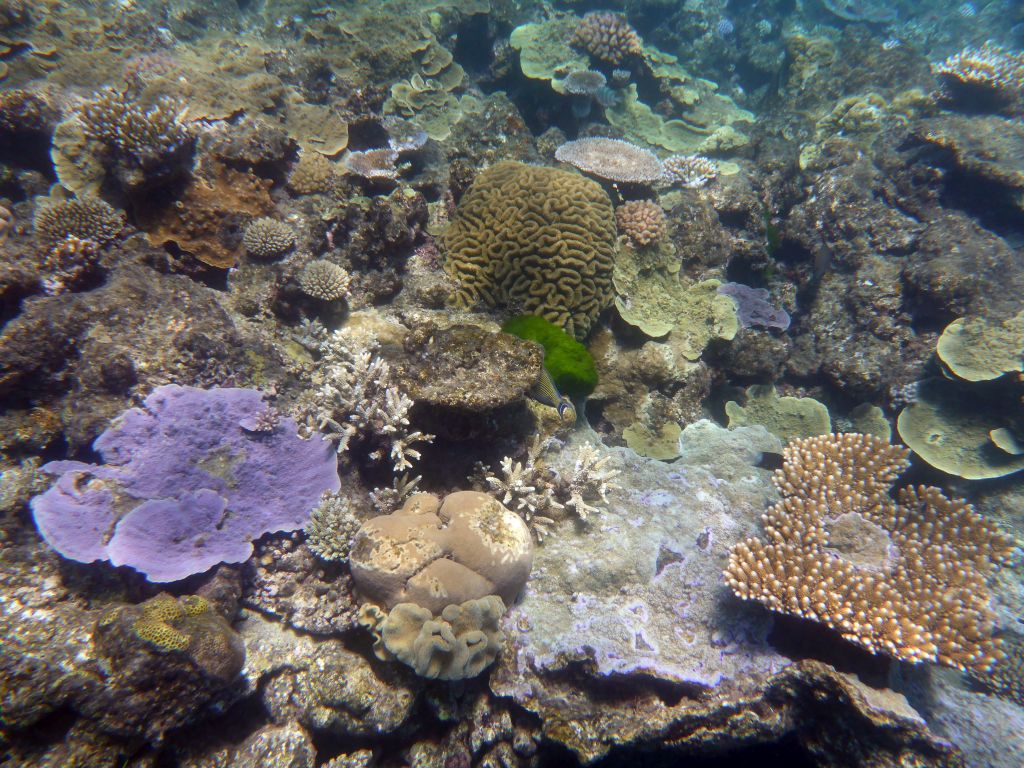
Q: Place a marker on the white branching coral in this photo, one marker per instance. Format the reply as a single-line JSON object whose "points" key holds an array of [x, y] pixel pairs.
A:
{"points": [[387, 500], [537, 492], [332, 526], [359, 402]]}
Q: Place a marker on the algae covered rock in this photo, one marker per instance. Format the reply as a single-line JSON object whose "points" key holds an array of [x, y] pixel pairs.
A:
{"points": [[540, 239]]}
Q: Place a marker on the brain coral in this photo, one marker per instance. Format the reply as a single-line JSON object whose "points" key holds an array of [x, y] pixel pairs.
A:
{"points": [[540, 239]]}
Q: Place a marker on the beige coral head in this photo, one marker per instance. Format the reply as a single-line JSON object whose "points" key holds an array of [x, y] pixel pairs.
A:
{"points": [[468, 547]]}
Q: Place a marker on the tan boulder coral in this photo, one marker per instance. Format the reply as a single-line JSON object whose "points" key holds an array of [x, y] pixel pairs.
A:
{"points": [[437, 577], [435, 554], [539, 239], [906, 578]]}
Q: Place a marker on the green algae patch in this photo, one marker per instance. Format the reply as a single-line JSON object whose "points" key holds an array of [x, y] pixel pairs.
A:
{"points": [[787, 418], [569, 363], [973, 349], [958, 435]]}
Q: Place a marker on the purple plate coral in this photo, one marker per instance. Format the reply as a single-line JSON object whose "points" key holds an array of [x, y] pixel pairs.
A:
{"points": [[184, 485]]}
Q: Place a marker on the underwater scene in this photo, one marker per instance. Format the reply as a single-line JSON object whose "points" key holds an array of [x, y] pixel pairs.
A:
{"points": [[511, 384]]}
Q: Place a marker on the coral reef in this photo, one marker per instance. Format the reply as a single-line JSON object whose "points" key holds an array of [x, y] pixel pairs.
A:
{"points": [[266, 238], [331, 528], [536, 239], [787, 418], [907, 579], [983, 76], [185, 486], [690, 171], [88, 218]]}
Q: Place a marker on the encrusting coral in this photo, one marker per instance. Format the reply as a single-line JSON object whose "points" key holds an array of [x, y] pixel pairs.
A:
{"points": [[267, 238], [904, 578], [324, 280], [642, 222], [608, 37], [539, 239]]}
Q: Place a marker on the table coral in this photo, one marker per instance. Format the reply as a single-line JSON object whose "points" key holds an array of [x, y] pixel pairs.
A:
{"points": [[907, 579], [612, 160], [184, 486], [538, 238]]}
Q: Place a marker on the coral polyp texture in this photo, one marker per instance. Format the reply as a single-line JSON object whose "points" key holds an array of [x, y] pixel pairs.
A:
{"points": [[87, 218], [184, 485], [324, 280], [608, 37], [983, 75], [267, 238], [612, 160], [690, 171], [537, 239], [906, 578], [642, 222]]}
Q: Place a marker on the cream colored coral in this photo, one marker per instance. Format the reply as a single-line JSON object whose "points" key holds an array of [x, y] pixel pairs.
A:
{"points": [[907, 579]]}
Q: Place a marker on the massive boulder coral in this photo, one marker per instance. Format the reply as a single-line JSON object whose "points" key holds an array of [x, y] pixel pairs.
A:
{"points": [[907, 579], [539, 239], [190, 480], [437, 577]]}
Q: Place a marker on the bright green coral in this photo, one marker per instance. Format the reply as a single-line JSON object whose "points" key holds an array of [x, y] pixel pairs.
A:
{"points": [[569, 363]]}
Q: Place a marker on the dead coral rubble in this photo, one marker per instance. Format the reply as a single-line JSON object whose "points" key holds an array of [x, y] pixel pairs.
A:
{"points": [[907, 579]]}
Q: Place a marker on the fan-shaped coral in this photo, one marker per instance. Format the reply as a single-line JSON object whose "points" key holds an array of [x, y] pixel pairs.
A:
{"points": [[539, 239]]}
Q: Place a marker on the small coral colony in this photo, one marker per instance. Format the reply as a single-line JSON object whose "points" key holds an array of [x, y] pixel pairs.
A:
{"points": [[411, 383]]}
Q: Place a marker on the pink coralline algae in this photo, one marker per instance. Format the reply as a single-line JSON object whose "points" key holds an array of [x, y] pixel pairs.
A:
{"points": [[186, 484]]}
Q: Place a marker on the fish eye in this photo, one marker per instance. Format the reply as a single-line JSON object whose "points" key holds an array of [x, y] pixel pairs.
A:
{"points": [[567, 411]]}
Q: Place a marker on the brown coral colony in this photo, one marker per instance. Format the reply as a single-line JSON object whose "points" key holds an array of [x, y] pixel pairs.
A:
{"points": [[608, 37]]}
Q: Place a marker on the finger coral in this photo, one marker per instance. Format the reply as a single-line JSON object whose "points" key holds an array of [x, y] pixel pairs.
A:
{"points": [[539, 239], [642, 222], [608, 37], [904, 578]]}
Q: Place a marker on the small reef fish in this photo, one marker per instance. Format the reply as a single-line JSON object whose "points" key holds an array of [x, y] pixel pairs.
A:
{"points": [[545, 391]]}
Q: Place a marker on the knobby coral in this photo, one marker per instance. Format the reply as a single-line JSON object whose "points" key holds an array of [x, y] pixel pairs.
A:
{"points": [[905, 578], [607, 36], [359, 403], [538, 239], [267, 238], [324, 280], [88, 218], [642, 222]]}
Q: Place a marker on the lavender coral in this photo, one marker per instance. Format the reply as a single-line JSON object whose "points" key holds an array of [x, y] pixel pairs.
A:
{"points": [[184, 485]]}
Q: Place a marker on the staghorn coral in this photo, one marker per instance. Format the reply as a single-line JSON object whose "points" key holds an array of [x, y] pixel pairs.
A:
{"points": [[691, 171], [359, 404], [612, 160], [607, 36], [84, 219], [267, 238], [988, 75], [387, 500], [145, 144], [642, 222], [905, 578], [331, 528], [538, 239], [324, 280]]}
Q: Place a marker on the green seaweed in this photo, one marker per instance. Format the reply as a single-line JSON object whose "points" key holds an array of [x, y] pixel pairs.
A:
{"points": [[568, 361]]}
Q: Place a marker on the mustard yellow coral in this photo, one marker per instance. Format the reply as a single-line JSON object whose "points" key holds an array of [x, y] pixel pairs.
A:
{"points": [[905, 578], [541, 240]]}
